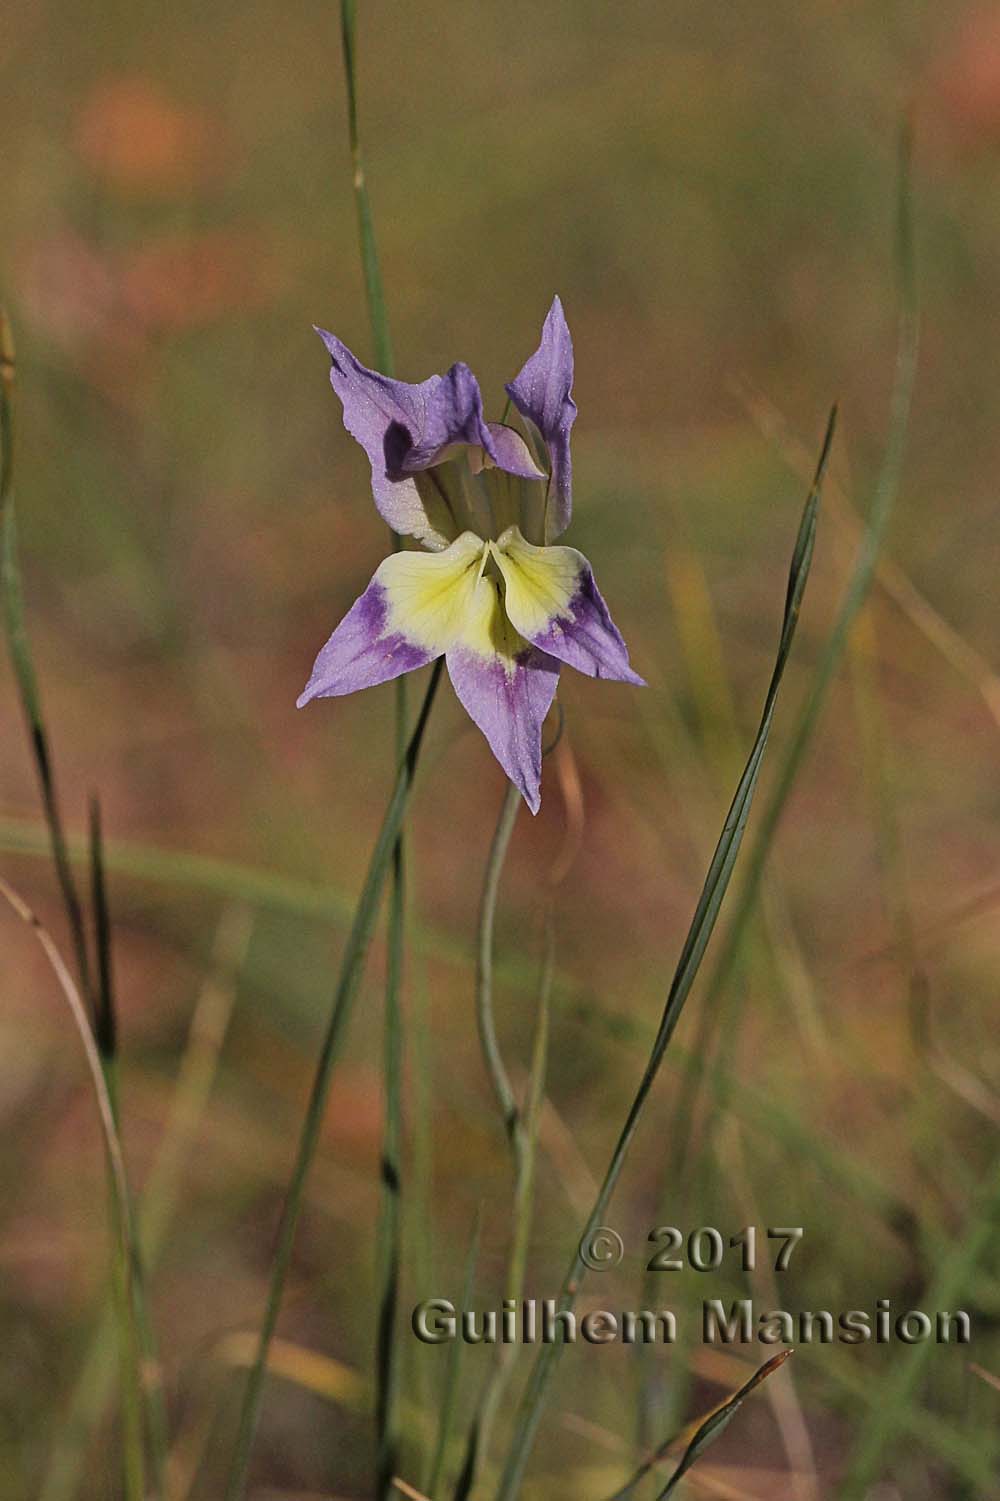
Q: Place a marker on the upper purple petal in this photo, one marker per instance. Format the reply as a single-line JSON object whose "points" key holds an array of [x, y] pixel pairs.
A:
{"points": [[542, 393], [450, 410], [404, 428]]}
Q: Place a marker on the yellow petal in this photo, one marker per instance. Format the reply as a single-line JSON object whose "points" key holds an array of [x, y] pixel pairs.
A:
{"points": [[428, 595], [541, 581]]}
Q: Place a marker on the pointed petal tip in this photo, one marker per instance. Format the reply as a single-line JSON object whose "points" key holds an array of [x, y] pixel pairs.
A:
{"points": [[532, 796]]}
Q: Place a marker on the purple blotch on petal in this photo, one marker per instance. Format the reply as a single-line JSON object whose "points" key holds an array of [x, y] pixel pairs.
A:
{"points": [[587, 638], [359, 655]]}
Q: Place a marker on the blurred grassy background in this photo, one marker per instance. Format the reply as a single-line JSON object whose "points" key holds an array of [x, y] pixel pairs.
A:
{"points": [[709, 188]]}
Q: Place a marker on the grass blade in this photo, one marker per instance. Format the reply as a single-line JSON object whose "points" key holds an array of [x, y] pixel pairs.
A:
{"points": [[887, 1415], [452, 1371], [105, 1021], [209, 1021], [705, 1433], [717, 1421], [390, 1250], [126, 1258], [105, 1036], [524, 1140], [21, 659], [692, 953], [366, 229], [126, 1273], [390, 1224], [351, 970]]}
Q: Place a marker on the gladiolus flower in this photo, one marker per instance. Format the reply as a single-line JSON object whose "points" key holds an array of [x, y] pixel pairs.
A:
{"points": [[485, 586]]}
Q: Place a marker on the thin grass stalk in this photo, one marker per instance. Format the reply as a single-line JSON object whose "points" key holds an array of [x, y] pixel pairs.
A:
{"points": [[714, 1425], [703, 1434], [127, 1282], [692, 954], [133, 1457], [390, 1250], [452, 1371], [711, 1022], [374, 292], [420, 1199], [351, 971], [257, 886], [389, 1246], [500, 1082], [895, 1393], [123, 1289], [106, 1037], [525, 1134], [210, 1019], [24, 669]]}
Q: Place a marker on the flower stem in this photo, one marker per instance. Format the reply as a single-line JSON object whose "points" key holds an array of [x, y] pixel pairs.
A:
{"points": [[521, 1127], [495, 1066]]}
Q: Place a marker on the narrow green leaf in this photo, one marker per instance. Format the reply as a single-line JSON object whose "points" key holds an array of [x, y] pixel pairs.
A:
{"points": [[351, 971], [716, 1422], [702, 925], [21, 660], [126, 1248], [105, 1021], [453, 1370], [705, 1434], [390, 1249]]}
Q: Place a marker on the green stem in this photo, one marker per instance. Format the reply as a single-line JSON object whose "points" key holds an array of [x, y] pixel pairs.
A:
{"points": [[352, 968], [136, 1335], [24, 670], [366, 228], [120, 1203], [521, 1127], [452, 1371], [94, 1384], [390, 1213], [390, 1248], [495, 1067]]}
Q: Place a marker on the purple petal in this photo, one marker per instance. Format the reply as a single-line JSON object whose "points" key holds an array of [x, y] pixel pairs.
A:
{"points": [[552, 600], [541, 393], [586, 637], [508, 699], [512, 454], [451, 411], [362, 651], [404, 428]]}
